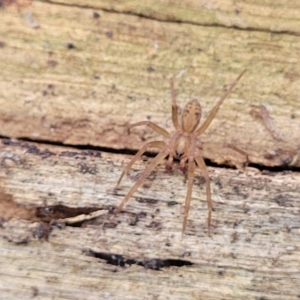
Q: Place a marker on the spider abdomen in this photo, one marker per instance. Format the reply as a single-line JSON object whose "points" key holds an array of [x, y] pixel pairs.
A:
{"points": [[191, 116]]}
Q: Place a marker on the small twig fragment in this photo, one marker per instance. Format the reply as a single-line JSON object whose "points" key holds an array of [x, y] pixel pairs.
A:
{"points": [[83, 217]]}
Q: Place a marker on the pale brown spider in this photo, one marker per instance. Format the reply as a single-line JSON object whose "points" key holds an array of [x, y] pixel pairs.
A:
{"points": [[183, 144]]}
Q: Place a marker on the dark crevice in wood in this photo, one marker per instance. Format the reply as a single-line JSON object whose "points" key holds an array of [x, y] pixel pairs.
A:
{"points": [[122, 261], [90, 150], [49, 215]]}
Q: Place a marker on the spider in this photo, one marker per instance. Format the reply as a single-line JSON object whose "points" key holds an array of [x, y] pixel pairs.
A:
{"points": [[183, 144]]}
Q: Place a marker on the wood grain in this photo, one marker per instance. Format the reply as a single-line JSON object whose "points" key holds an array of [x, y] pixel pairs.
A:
{"points": [[253, 253], [84, 74], [77, 73], [270, 16]]}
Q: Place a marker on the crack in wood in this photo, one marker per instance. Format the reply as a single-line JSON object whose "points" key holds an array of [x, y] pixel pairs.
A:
{"points": [[95, 151], [122, 261]]}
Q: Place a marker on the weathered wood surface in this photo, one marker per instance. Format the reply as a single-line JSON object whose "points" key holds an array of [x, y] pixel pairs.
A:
{"points": [[78, 74], [84, 74], [270, 16], [252, 254]]}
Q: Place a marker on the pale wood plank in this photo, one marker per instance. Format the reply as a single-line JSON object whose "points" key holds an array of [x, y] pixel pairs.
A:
{"points": [[115, 76], [253, 253], [280, 16]]}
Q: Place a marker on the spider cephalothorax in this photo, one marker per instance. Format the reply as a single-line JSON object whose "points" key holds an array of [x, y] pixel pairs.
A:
{"points": [[183, 144]]}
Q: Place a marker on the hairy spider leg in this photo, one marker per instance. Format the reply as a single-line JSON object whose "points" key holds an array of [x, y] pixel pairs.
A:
{"points": [[230, 146], [152, 125], [174, 106], [191, 171], [159, 157], [201, 164], [238, 150], [154, 144], [213, 112]]}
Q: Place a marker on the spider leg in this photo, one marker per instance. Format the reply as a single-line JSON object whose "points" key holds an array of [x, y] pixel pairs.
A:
{"points": [[174, 106], [230, 146], [191, 171], [213, 112], [156, 144], [153, 126], [159, 157], [238, 150], [201, 164]]}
